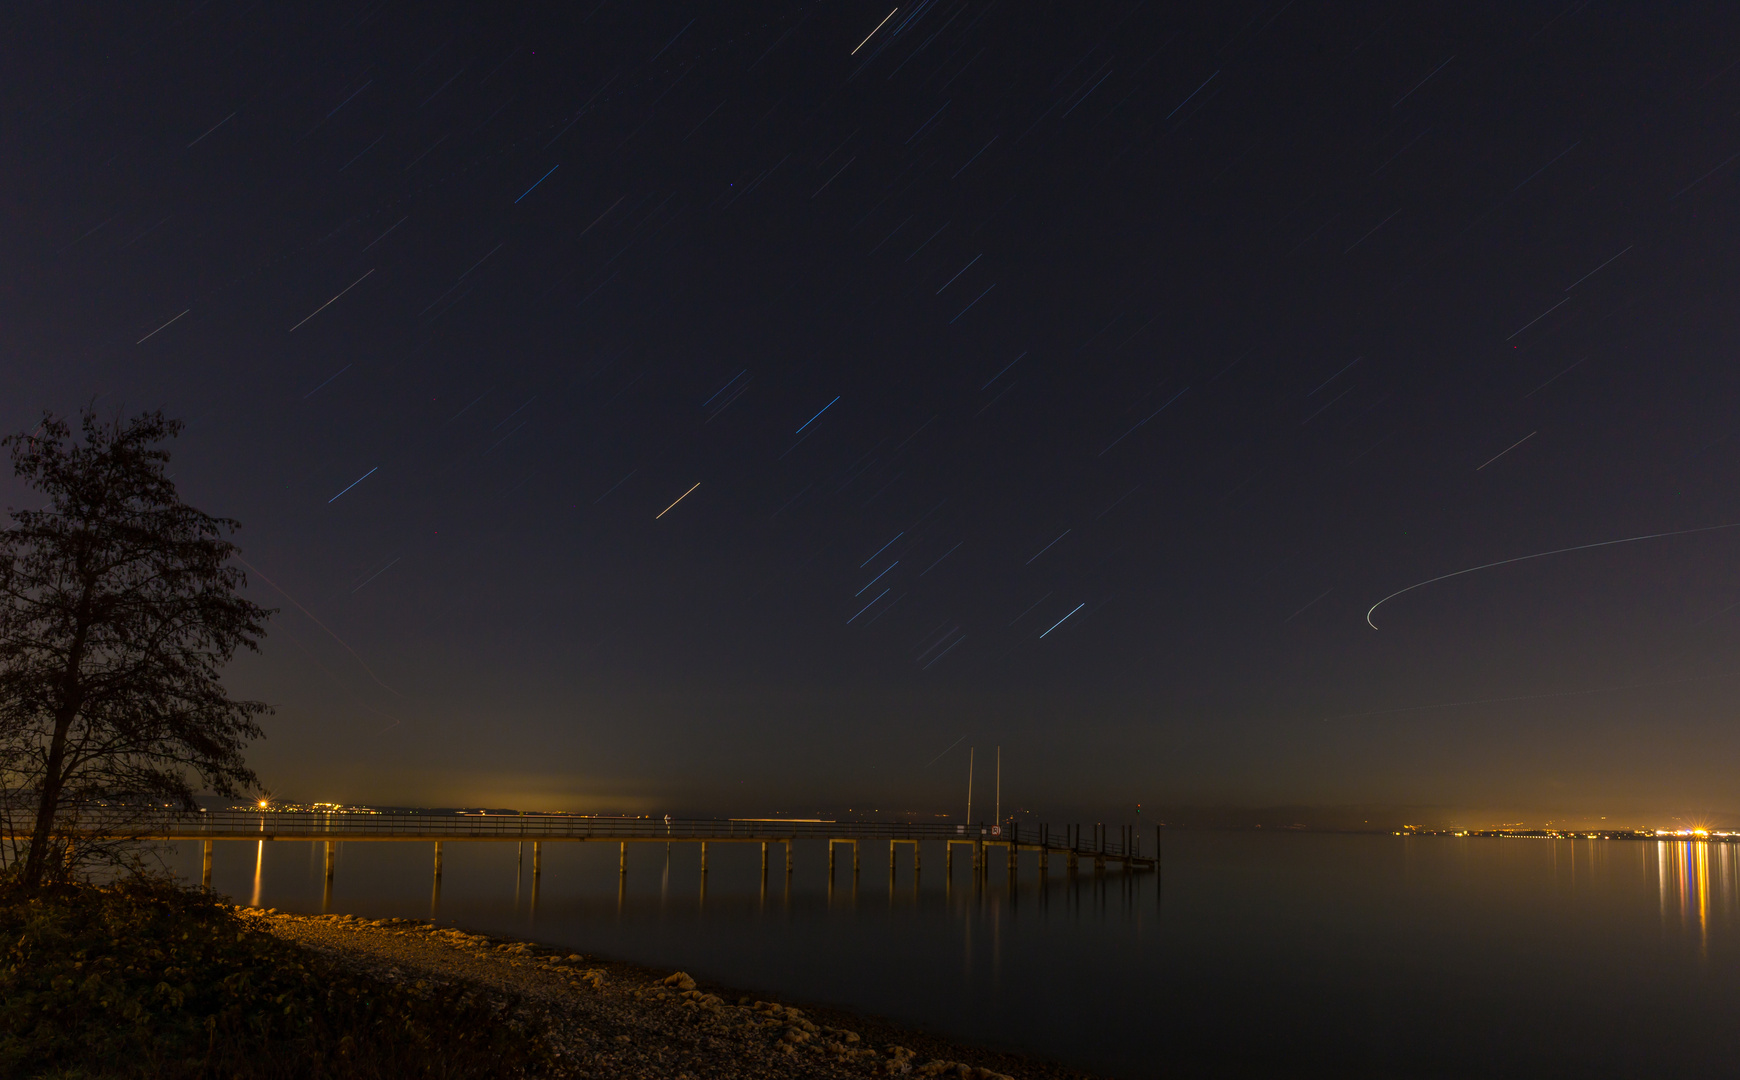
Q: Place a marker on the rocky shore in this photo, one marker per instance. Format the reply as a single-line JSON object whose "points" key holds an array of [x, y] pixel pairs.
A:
{"points": [[609, 1019]]}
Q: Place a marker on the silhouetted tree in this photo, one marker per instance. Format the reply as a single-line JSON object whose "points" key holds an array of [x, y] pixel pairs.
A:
{"points": [[118, 611]]}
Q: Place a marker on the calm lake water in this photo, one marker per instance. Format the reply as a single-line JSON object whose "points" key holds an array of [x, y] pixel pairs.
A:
{"points": [[1252, 954]]}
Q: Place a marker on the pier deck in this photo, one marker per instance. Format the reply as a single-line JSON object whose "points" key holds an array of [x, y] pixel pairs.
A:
{"points": [[1101, 846]]}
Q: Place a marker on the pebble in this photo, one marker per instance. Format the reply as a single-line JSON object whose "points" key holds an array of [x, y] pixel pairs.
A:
{"points": [[611, 1020]]}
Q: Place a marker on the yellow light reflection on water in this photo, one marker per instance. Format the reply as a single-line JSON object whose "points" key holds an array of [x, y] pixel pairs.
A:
{"points": [[1698, 883]]}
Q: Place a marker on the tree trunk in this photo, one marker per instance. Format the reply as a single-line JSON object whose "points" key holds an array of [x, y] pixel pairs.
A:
{"points": [[36, 863], [53, 775]]}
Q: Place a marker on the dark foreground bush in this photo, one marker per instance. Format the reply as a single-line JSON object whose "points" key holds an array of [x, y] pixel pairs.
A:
{"points": [[148, 980]]}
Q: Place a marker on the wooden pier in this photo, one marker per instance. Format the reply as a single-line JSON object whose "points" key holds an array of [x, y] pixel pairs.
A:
{"points": [[1100, 845]]}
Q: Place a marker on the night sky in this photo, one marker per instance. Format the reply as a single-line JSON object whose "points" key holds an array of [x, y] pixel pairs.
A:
{"points": [[1069, 378]]}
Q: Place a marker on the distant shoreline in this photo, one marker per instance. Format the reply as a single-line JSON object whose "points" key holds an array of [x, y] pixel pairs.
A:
{"points": [[1677, 836]]}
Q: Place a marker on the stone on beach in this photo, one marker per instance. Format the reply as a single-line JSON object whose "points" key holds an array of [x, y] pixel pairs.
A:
{"points": [[677, 1028]]}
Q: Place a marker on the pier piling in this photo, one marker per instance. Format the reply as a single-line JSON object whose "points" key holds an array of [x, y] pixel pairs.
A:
{"points": [[894, 845], [329, 829], [837, 840]]}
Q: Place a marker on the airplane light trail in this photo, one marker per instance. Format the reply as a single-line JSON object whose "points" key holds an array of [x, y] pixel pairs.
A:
{"points": [[1537, 555]]}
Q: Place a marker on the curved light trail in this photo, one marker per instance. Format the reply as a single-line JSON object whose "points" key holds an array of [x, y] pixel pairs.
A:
{"points": [[1539, 555]]}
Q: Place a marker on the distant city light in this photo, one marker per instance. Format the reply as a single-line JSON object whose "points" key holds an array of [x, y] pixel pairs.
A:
{"points": [[1521, 832]]}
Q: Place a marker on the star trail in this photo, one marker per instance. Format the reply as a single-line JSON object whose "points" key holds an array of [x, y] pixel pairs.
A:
{"points": [[1207, 326]]}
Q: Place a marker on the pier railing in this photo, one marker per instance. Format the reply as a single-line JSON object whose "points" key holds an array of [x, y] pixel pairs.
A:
{"points": [[1116, 843]]}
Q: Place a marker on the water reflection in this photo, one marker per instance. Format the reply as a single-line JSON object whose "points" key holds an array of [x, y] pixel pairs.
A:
{"points": [[1441, 942], [435, 887], [532, 907], [1698, 883]]}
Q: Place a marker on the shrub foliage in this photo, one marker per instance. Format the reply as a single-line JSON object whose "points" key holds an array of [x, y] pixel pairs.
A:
{"points": [[146, 979]]}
